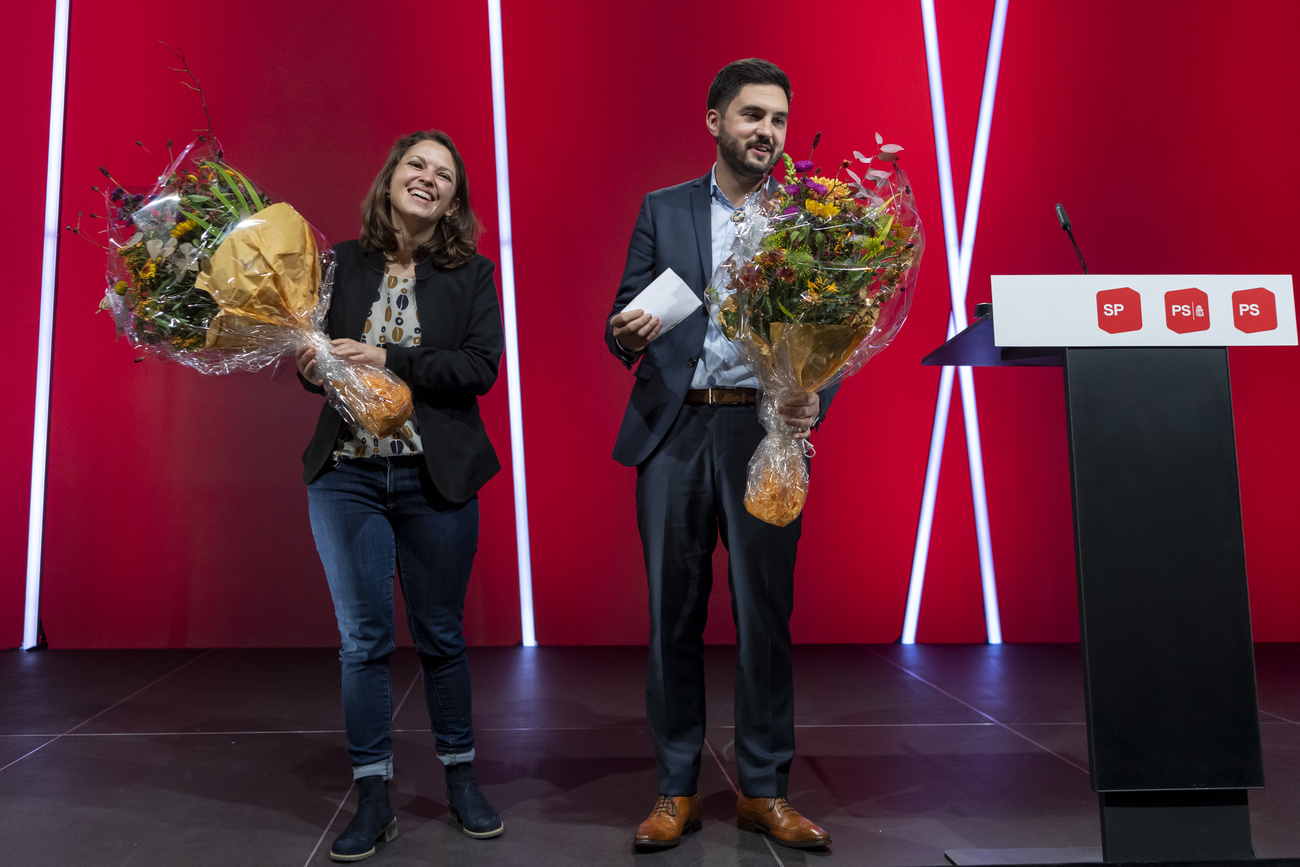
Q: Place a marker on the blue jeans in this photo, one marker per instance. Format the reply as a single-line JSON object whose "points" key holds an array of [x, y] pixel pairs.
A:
{"points": [[373, 517]]}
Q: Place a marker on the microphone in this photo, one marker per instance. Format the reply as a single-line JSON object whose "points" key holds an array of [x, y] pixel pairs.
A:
{"points": [[1065, 224]]}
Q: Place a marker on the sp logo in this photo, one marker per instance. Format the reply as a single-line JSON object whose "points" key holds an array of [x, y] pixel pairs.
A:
{"points": [[1119, 310]]}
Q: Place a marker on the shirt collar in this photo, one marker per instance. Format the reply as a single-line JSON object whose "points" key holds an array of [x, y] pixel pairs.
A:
{"points": [[721, 198]]}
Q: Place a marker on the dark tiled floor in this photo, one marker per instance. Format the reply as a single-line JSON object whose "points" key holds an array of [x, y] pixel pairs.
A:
{"points": [[235, 757]]}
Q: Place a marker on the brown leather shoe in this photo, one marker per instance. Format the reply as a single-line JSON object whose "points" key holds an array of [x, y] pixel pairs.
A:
{"points": [[778, 820], [669, 820]]}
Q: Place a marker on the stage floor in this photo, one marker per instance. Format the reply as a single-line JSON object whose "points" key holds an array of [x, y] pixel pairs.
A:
{"points": [[236, 757]]}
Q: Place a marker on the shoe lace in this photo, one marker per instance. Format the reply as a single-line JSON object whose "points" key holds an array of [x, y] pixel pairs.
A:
{"points": [[665, 806], [779, 806]]}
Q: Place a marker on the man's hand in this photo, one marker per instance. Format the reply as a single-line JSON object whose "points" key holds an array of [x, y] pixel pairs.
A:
{"points": [[800, 412], [356, 351], [634, 329], [306, 357]]}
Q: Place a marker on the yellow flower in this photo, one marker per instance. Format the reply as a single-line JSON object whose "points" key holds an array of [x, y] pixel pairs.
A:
{"points": [[183, 228], [148, 270], [120, 287], [825, 210], [821, 286]]}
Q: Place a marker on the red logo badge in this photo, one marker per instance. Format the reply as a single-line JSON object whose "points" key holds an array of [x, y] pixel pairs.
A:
{"points": [[1187, 310], [1119, 310], [1254, 310]]}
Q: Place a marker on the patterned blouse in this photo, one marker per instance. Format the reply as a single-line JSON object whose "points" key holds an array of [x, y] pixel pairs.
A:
{"points": [[393, 319]]}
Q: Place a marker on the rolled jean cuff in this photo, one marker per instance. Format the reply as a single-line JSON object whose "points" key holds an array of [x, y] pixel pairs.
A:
{"points": [[374, 769], [450, 759]]}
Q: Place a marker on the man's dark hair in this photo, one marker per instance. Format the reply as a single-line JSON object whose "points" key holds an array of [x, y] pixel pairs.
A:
{"points": [[735, 75]]}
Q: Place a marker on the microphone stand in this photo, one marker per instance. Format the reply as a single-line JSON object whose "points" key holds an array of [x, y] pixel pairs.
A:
{"points": [[1065, 224]]}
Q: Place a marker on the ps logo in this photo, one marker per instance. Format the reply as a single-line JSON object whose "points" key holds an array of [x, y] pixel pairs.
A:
{"points": [[1254, 310], [1186, 310], [1119, 310]]}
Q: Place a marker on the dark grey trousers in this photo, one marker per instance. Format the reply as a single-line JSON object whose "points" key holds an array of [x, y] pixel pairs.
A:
{"points": [[688, 493]]}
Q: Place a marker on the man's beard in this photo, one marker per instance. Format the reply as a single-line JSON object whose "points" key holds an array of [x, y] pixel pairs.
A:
{"points": [[734, 154]]}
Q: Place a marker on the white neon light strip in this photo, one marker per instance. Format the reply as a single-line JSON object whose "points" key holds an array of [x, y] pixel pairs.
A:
{"points": [[45, 340], [970, 220], [959, 250], [921, 551], [512, 331]]}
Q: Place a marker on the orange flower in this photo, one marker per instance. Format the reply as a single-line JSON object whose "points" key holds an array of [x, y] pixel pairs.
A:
{"points": [[835, 189]]}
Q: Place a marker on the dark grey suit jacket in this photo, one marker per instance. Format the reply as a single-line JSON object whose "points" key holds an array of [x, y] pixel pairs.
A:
{"points": [[674, 231]]}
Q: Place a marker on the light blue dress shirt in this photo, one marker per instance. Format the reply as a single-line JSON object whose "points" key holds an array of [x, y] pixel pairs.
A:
{"points": [[720, 365]]}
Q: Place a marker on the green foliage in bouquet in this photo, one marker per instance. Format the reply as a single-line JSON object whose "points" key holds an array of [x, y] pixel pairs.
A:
{"points": [[160, 242]]}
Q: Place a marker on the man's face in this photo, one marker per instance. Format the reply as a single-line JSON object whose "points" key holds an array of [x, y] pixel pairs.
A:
{"points": [[751, 134]]}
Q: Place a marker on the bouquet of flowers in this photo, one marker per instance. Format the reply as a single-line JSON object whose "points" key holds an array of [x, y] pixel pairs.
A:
{"points": [[819, 280], [207, 269]]}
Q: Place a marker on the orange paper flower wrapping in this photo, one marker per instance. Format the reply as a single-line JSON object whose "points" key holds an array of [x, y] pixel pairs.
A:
{"points": [[380, 402], [778, 481], [798, 359], [208, 270], [264, 278]]}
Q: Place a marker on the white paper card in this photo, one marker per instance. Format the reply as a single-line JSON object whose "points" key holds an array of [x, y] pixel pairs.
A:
{"points": [[667, 297]]}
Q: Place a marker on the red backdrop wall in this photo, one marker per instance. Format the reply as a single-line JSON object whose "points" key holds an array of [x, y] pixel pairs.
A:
{"points": [[1102, 117], [176, 516], [176, 511], [644, 130], [1168, 138]]}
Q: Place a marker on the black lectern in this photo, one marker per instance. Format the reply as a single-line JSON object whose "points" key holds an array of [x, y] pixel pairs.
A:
{"points": [[1168, 664]]}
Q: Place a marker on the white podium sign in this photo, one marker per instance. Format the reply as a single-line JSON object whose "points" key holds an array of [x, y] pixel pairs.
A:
{"points": [[1143, 310]]}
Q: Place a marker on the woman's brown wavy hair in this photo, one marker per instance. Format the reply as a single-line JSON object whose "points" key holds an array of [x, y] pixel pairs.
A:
{"points": [[454, 241]]}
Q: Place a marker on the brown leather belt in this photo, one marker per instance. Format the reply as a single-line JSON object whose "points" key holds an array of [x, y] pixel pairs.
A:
{"points": [[723, 396]]}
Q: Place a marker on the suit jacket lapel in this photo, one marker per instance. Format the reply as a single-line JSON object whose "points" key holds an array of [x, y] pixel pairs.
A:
{"points": [[700, 198]]}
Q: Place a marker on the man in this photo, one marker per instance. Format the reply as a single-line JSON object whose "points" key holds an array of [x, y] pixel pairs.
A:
{"points": [[690, 429]]}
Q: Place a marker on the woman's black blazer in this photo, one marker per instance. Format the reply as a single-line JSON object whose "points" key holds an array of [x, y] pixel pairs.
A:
{"points": [[461, 342]]}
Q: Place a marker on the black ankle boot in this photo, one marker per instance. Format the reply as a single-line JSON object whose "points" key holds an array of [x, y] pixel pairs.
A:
{"points": [[374, 820], [468, 806]]}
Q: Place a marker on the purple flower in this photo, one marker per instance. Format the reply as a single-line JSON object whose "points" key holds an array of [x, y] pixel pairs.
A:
{"points": [[790, 210], [803, 166], [117, 194], [813, 186], [792, 189]]}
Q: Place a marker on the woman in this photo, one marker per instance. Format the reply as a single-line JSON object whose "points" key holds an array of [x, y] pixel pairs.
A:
{"points": [[411, 295]]}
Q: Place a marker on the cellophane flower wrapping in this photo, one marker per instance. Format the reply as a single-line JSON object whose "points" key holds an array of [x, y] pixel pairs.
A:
{"points": [[207, 269], [819, 280]]}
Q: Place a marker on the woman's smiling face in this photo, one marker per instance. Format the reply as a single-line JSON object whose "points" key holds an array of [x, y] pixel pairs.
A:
{"points": [[423, 187]]}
